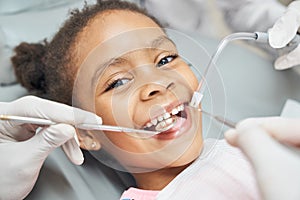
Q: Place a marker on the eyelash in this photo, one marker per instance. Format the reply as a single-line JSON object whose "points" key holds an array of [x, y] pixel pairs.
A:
{"points": [[172, 56], [116, 83]]}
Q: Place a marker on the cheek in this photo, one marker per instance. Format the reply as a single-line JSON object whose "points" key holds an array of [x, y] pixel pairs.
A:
{"points": [[189, 76], [106, 109], [103, 108], [114, 109]]}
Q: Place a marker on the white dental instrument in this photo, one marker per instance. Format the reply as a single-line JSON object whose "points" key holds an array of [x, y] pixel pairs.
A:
{"points": [[46, 122], [257, 36]]}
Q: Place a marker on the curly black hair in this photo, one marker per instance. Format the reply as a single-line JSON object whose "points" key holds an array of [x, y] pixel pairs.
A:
{"points": [[43, 68]]}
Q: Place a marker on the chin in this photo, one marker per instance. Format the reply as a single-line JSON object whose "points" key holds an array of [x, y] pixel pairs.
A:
{"points": [[194, 148], [190, 155]]}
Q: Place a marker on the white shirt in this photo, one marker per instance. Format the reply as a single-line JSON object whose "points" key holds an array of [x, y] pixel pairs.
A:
{"points": [[221, 172]]}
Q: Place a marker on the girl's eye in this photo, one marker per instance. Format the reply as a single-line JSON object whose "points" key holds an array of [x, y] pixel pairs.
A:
{"points": [[165, 60], [117, 83]]}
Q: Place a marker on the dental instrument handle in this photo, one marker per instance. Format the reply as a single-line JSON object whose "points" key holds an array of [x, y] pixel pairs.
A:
{"points": [[220, 119], [46, 122], [224, 121], [27, 120], [114, 128], [264, 38]]}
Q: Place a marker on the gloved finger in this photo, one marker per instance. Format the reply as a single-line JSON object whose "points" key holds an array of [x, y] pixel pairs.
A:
{"points": [[262, 150], [36, 107], [288, 60], [73, 152], [282, 129], [285, 27], [256, 143], [13, 131], [275, 165], [10, 132], [50, 138], [232, 135]]}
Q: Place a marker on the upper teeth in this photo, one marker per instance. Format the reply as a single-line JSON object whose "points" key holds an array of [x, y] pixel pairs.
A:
{"points": [[165, 116]]}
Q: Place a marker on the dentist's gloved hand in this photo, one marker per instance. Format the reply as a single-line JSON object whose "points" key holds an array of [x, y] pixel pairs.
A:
{"points": [[22, 152], [277, 166], [283, 31]]}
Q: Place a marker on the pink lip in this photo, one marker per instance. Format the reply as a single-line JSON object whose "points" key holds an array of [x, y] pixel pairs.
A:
{"points": [[181, 126]]}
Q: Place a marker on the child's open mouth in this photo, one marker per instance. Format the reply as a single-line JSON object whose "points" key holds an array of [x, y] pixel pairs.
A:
{"points": [[168, 121]]}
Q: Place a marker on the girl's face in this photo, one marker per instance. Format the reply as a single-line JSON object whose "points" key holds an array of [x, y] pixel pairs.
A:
{"points": [[139, 81]]}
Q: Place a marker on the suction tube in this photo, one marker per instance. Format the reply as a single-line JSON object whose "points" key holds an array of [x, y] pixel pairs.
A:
{"points": [[260, 37], [198, 94]]}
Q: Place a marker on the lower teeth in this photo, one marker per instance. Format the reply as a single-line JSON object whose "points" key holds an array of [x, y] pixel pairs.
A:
{"points": [[165, 125]]}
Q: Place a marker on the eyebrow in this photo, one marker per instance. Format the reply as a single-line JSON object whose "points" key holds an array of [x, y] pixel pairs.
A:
{"points": [[154, 44], [111, 61], [161, 40]]}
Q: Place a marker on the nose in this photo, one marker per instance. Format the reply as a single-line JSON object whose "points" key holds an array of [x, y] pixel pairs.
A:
{"points": [[153, 90]]}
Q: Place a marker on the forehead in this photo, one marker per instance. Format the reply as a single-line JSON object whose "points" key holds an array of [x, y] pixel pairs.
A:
{"points": [[110, 24]]}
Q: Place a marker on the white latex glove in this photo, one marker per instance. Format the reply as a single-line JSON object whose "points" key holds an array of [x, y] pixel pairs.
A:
{"points": [[283, 31], [22, 152], [277, 166]]}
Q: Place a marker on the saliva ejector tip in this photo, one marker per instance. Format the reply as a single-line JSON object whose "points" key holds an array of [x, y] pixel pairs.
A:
{"points": [[196, 99]]}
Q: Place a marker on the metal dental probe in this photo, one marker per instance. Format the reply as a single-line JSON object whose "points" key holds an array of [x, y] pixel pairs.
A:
{"points": [[46, 122], [220, 119]]}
